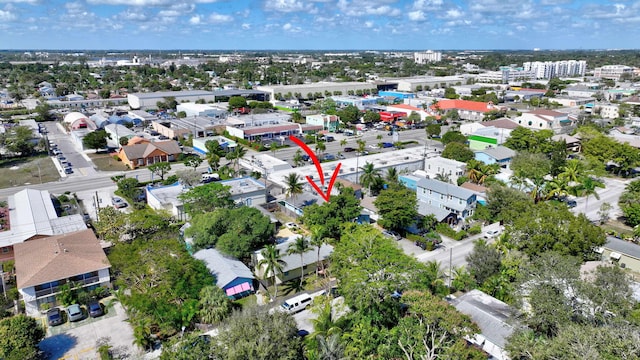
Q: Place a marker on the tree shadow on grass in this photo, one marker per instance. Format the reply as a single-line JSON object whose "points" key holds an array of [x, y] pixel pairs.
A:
{"points": [[54, 347], [292, 287]]}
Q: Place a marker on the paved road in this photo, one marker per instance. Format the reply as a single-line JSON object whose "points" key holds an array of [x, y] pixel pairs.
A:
{"points": [[610, 194]]}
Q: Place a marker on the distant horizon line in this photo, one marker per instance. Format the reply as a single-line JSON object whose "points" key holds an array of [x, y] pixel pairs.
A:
{"points": [[313, 50]]}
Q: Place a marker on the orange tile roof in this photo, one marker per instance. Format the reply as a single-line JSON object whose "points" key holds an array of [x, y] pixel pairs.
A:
{"points": [[406, 107], [469, 105]]}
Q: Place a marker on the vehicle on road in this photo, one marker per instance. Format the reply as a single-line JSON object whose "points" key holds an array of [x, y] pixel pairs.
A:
{"points": [[118, 202], [374, 146], [95, 309], [296, 304], [391, 234], [54, 317], [491, 233], [75, 312], [341, 156], [349, 149], [328, 157], [68, 170], [387, 145]]}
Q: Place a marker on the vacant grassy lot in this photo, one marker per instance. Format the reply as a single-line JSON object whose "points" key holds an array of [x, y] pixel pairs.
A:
{"points": [[24, 171], [106, 162]]}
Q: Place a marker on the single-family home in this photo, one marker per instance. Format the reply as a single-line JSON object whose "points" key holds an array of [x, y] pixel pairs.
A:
{"points": [[165, 198], [294, 205], [293, 268], [45, 264], [445, 198], [493, 317], [246, 190], [543, 119], [500, 155], [328, 122], [624, 253], [147, 153], [232, 276], [572, 142], [200, 144]]}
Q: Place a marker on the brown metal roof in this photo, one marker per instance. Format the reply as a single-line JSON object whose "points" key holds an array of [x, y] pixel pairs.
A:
{"points": [[58, 257]]}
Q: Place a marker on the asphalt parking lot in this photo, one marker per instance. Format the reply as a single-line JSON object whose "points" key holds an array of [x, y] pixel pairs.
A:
{"points": [[78, 340]]}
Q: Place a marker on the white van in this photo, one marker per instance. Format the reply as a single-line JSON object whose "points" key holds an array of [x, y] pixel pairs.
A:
{"points": [[296, 304]]}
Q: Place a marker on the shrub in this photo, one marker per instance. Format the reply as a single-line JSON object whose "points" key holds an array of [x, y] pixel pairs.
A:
{"points": [[475, 229]]}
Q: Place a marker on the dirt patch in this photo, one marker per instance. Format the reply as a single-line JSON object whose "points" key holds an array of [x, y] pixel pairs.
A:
{"points": [[106, 162], [26, 171]]}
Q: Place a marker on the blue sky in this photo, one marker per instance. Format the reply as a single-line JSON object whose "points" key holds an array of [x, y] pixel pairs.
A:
{"points": [[319, 24]]}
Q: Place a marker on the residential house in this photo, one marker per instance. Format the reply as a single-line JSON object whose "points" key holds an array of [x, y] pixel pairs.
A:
{"points": [[493, 317], [445, 198], [344, 183], [165, 198], [232, 276], [31, 214], [200, 147], [44, 265], [294, 205], [543, 119], [293, 268], [489, 136], [467, 110], [624, 253], [500, 155], [443, 167], [246, 190], [147, 153], [573, 142], [479, 190], [328, 122]]}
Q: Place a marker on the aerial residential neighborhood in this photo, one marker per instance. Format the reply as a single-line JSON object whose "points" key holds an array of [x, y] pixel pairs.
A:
{"points": [[318, 204]]}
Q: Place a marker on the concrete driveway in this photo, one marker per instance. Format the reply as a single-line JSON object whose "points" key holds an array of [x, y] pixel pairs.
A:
{"points": [[78, 340]]}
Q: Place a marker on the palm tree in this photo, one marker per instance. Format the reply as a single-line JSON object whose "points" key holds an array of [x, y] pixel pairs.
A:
{"points": [[343, 143], [370, 176], [361, 146], [274, 265], [214, 153], [330, 348], [392, 175], [238, 153], [588, 187], [473, 170], [537, 193], [317, 240], [556, 188], [572, 171], [443, 177], [294, 185], [297, 158], [300, 246], [320, 147]]}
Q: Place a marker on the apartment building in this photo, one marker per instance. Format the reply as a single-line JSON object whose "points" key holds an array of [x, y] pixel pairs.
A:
{"points": [[550, 69], [427, 57], [614, 72], [444, 199]]}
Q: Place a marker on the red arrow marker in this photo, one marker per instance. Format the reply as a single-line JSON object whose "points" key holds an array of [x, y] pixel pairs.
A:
{"points": [[326, 196]]}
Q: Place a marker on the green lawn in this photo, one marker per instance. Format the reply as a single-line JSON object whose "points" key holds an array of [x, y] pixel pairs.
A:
{"points": [[26, 171], [106, 162]]}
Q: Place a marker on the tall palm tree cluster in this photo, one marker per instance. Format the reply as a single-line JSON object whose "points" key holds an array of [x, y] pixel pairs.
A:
{"points": [[574, 180]]}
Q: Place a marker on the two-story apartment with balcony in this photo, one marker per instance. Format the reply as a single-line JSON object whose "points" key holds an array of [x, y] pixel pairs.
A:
{"points": [[446, 201], [543, 119]]}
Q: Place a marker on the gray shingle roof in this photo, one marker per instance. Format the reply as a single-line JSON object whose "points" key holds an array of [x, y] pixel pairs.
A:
{"points": [[445, 188], [225, 269], [425, 209], [489, 313], [499, 152], [623, 247]]}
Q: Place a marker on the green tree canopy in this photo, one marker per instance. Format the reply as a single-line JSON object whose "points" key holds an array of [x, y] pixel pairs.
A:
{"points": [[235, 232], [341, 209], [236, 102], [96, 139], [160, 169], [397, 207], [453, 136], [349, 114], [206, 198], [457, 151], [19, 338]]}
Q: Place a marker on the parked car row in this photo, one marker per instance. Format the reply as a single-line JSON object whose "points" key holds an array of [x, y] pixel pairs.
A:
{"points": [[73, 313]]}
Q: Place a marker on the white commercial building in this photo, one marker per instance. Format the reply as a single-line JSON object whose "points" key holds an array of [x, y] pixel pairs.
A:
{"points": [[427, 57], [193, 109], [150, 100], [550, 69], [613, 72], [319, 89]]}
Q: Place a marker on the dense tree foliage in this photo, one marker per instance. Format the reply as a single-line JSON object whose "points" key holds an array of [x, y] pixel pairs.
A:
{"points": [[397, 207], [453, 136], [532, 141], [19, 338], [331, 216], [114, 225], [256, 334], [96, 139], [206, 198], [163, 285], [18, 140], [235, 232], [457, 151], [630, 203]]}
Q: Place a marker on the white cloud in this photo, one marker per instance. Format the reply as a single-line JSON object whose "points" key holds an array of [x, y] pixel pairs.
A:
{"points": [[417, 15], [132, 16], [6, 16], [148, 2], [368, 7], [286, 26], [246, 26], [453, 13], [287, 6], [195, 20], [368, 24], [290, 28], [32, 2], [219, 18]]}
